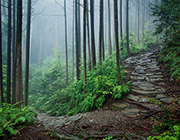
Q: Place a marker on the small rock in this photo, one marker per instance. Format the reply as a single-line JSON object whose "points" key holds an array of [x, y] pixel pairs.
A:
{"points": [[120, 105], [132, 107], [143, 100], [167, 100], [132, 97], [160, 96], [161, 84], [131, 111]]}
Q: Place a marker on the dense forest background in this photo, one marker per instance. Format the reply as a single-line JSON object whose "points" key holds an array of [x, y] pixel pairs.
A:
{"points": [[65, 57]]}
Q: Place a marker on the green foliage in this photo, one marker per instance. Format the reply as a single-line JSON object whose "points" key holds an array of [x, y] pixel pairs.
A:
{"points": [[108, 138], [167, 13], [173, 134], [168, 118], [52, 97], [134, 47], [13, 119]]}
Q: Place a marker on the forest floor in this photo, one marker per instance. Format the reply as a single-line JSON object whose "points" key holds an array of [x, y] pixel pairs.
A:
{"points": [[128, 118]]}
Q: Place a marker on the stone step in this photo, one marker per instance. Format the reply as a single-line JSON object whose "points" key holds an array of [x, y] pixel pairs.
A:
{"points": [[146, 93]]}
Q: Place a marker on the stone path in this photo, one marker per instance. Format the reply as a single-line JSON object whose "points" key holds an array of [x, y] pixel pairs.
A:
{"points": [[146, 83]]}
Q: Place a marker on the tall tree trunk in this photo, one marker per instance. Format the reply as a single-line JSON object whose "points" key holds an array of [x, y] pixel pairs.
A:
{"points": [[127, 26], [84, 42], [88, 33], [77, 42], [101, 40], [1, 73], [138, 22], [143, 6], [92, 34], [8, 97], [121, 30], [73, 45], [79, 28], [136, 19], [116, 38], [66, 42], [40, 48], [27, 51], [14, 55], [102, 30], [19, 89], [109, 23]]}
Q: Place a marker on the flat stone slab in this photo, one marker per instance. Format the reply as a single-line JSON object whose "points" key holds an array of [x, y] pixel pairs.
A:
{"points": [[160, 96], [120, 105], [168, 100], [133, 97], [161, 84], [143, 100], [146, 93], [131, 111]]}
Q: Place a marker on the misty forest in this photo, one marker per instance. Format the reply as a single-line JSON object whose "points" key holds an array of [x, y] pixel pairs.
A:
{"points": [[90, 69]]}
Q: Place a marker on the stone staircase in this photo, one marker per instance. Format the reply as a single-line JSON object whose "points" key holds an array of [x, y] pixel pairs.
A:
{"points": [[147, 83]]}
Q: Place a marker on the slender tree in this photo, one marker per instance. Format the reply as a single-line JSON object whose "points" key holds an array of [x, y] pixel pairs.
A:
{"points": [[121, 30], [66, 42], [9, 55], [84, 42], [116, 39], [92, 34], [138, 20], [143, 11], [101, 36], [27, 51], [1, 73], [109, 23], [73, 44], [19, 89], [77, 42], [127, 26], [88, 37], [14, 55]]}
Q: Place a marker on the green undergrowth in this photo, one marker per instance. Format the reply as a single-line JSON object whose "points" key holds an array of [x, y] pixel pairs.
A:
{"points": [[13, 119], [167, 121], [170, 55], [101, 84], [172, 134]]}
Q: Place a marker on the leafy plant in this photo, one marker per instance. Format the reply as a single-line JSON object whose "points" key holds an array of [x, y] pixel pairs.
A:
{"points": [[173, 134], [108, 138], [13, 119]]}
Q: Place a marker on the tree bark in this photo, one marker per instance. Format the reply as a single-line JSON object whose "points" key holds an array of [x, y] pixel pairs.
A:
{"points": [[19, 90], [1, 73], [138, 22], [88, 33], [127, 26], [14, 55], [116, 38], [77, 42], [101, 40], [66, 42], [84, 43], [143, 3], [8, 97], [92, 34], [121, 31], [109, 23], [27, 51], [73, 45]]}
